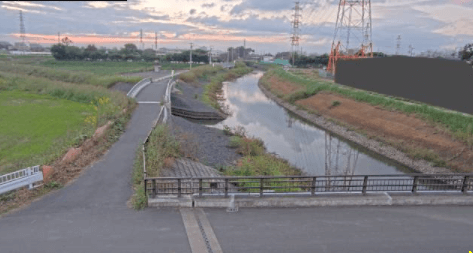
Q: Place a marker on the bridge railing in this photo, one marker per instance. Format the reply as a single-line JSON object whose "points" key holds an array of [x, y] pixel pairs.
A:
{"points": [[311, 185]]}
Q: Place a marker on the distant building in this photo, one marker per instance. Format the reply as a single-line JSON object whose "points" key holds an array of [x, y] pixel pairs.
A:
{"points": [[21, 46], [5, 45], [268, 58], [36, 47]]}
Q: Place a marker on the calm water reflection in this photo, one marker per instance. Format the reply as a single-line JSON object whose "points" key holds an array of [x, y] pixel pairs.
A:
{"points": [[303, 145]]}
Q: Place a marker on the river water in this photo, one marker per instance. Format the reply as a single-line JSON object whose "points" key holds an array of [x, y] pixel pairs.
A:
{"points": [[305, 146]]}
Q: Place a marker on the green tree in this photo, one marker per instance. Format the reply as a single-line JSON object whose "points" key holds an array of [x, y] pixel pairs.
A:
{"points": [[467, 52]]}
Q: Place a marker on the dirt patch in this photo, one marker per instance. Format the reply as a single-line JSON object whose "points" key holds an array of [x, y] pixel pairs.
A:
{"points": [[393, 127], [282, 87], [122, 87]]}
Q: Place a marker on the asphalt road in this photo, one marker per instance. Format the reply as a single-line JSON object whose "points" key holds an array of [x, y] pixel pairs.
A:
{"points": [[366, 229], [90, 215]]}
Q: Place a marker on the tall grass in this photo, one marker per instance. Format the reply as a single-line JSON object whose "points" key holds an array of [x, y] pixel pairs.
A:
{"points": [[69, 76], [457, 123], [256, 161], [162, 148]]}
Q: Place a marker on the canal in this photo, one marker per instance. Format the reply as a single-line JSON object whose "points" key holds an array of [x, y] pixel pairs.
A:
{"points": [[304, 145]]}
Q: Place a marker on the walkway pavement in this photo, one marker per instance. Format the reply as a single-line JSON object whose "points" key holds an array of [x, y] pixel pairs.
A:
{"points": [[91, 215], [428, 229]]}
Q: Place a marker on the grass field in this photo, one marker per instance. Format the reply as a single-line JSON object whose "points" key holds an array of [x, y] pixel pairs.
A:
{"points": [[100, 68], [34, 128], [170, 66], [71, 76]]}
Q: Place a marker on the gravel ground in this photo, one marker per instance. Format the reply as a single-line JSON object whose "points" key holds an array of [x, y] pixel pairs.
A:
{"points": [[208, 145]]}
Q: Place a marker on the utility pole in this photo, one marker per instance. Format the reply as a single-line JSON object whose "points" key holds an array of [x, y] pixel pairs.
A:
{"points": [[232, 53], [141, 38], [244, 48], [191, 57], [58, 38], [210, 55], [156, 41], [411, 49]]}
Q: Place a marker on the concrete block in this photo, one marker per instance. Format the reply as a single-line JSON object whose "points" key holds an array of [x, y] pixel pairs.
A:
{"points": [[170, 202], [432, 199]]}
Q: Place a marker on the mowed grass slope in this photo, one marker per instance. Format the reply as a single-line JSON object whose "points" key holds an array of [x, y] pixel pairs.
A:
{"points": [[87, 76], [35, 128], [100, 68]]}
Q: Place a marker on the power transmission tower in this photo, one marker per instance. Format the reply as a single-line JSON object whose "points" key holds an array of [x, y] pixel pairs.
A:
{"points": [[353, 32], [22, 31], [295, 31], [411, 49], [398, 45], [191, 56]]}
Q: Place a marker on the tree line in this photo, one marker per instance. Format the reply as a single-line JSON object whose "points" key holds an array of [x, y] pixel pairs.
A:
{"points": [[65, 51]]}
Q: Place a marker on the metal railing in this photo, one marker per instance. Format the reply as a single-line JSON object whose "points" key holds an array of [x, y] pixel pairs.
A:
{"points": [[309, 184], [20, 178]]}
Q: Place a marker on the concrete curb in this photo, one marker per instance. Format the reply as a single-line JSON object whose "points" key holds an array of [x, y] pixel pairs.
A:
{"points": [[320, 200]]}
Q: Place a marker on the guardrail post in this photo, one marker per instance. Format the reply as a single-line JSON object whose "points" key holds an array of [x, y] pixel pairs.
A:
{"points": [[226, 187], [465, 184], [414, 184], [200, 187], [261, 187], [179, 188], [365, 184], [312, 187]]}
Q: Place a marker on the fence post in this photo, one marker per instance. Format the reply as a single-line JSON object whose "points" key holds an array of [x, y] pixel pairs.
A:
{"points": [[200, 187], [154, 187], [226, 187], [465, 184], [365, 184], [312, 188], [414, 184], [178, 187], [261, 187], [30, 186]]}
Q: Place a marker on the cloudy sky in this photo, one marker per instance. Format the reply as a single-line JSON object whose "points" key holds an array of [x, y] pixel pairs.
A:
{"points": [[265, 24]]}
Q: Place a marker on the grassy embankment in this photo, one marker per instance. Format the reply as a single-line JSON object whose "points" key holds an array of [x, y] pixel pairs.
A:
{"points": [[54, 109], [214, 77], [69, 76], [47, 111], [456, 124], [100, 68], [160, 150]]}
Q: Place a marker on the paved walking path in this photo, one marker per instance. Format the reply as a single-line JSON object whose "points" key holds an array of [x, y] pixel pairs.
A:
{"points": [[91, 215]]}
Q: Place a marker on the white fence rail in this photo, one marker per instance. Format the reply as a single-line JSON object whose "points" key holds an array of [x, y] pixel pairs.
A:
{"points": [[20, 178], [138, 86]]}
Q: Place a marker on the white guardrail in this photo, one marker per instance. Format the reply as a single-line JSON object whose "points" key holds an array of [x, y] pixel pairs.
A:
{"points": [[143, 83], [20, 178]]}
